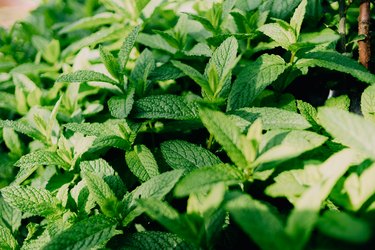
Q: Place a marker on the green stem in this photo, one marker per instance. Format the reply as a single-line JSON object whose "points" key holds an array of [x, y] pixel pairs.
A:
{"points": [[210, 141]]}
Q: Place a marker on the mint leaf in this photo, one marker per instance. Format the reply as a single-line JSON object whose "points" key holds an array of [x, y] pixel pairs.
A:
{"points": [[258, 221], [154, 240], [184, 155], [99, 167], [155, 42], [142, 163], [86, 234], [126, 48], [368, 103], [339, 102], [101, 192], [7, 241], [272, 118], [283, 35], [335, 61], [9, 216], [85, 76], [165, 107], [254, 79], [360, 188], [195, 75], [41, 157], [228, 135], [110, 62], [91, 22], [201, 180], [120, 106], [349, 129], [308, 112], [30, 199], [297, 18], [144, 65], [307, 207], [24, 128]]}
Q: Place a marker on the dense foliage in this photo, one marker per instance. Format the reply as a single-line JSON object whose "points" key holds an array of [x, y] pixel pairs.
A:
{"points": [[160, 124]]}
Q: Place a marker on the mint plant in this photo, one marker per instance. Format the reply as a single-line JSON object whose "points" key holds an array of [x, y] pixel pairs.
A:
{"points": [[178, 124]]}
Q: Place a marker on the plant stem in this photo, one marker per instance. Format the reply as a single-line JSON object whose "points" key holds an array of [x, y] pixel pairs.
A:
{"points": [[210, 140], [342, 26], [363, 29]]}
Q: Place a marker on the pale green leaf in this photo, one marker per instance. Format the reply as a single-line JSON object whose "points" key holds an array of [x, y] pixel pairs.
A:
{"points": [[91, 22], [254, 79], [307, 207], [155, 42], [24, 128], [142, 163], [9, 216], [368, 103], [184, 155], [30, 199], [7, 101], [308, 112], [259, 222], [335, 61], [153, 240], [349, 129], [41, 157], [361, 187], [165, 107], [203, 179], [12, 141], [340, 102], [200, 49], [85, 76], [284, 36], [298, 16], [7, 240], [127, 47], [86, 234]]}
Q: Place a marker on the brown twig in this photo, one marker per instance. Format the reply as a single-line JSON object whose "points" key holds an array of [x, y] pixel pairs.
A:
{"points": [[363, 29]]}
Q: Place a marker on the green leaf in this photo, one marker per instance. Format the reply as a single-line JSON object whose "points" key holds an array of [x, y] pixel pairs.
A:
{"points": [[153, 240], [282, 8], [120, 106], [254, 79], [101, 36], [142, 163], [297, 18], [360, 188], [127, 47], [202, 20], [339, 102], [99, 166], [345, 227], [227, 134], [349, 129], [368, 103], [7, 101], [224, 60], [195, 75], [7, 241], [101, 192], [30, 199], [335, 61], [12, 141], [9, 216], [144, 65], [259, 222], [203, 179], [24, 128], [165, 107], [168, 217], [283, 35], [91, 22], [155, 42], [110, 62], [51, 52], [301, 221], [272, 118], [200, 49], [165, 72], [308, 112], [184, 155], [86, 234], [41, 157], [85, 76]]}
